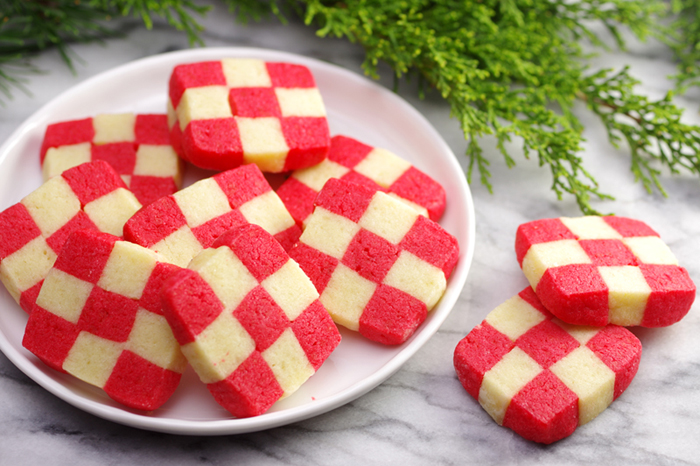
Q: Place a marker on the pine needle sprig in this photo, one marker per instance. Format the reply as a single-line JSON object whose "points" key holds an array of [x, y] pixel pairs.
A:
{"points": [[14, 74], [683, 36], [31, 26], [512, 69], [177, 13], [652, 130], [28, 27], [508, 68], [247, 11]]}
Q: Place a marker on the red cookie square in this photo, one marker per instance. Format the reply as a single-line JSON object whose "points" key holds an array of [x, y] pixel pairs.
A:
{"points": [[235, 111], [378, 264], [136, 146], [179, 226], [351, 160], [95, 318], [540, 376], [33, 231], [598, 270], [249, 320]]}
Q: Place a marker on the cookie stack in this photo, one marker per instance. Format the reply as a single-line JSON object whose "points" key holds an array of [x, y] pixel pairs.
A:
{"points": [[557, 354]]}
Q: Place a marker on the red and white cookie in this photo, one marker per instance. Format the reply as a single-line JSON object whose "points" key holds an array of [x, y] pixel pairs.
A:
{"points": [[598, 270], [539, 376], [230, 112], [378, 264], [179, 226], [249, 321], [136, 146], [99, 318], [33, 231], [374, 167]]}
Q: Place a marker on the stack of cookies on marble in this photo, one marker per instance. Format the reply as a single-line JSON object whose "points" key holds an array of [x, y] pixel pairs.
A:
{"points": [[127, 277], [557, 354]]}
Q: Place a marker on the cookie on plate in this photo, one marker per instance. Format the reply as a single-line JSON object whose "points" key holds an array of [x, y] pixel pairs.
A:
{"points": [[136, 146], [539, 376], [235, 111], [351, 160], [179, 226], [32, 232], [249, 321], [378, 264], [99, 318], [597, 270]]}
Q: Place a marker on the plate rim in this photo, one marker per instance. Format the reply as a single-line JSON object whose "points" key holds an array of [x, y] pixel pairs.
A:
{"points": [[269, 419]]}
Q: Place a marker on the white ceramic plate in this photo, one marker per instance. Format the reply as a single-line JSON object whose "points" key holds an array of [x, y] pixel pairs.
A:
{"points": [[356, 107]]}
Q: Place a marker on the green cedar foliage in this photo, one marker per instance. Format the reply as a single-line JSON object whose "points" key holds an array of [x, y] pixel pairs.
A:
{"points": [[30, 26], [683, 36], [512, 69]]}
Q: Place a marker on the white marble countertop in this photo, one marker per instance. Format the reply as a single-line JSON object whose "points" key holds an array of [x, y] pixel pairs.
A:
{"points": [[420, 415]]}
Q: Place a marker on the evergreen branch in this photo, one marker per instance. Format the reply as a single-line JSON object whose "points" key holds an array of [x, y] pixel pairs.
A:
{"points": [[508, 68], [178, 13], [683, 36], [31, 26], [247, 11], [504, 66], [653, 131], [14, 72]]}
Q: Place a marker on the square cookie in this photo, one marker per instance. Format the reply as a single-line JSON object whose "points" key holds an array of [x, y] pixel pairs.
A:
{"points": [[539, 376], [32, 232], [351, 160], [136, 146], [236, 111], [598, 270], [378, 264], [99, 318], [179, 226], [249, 321]]}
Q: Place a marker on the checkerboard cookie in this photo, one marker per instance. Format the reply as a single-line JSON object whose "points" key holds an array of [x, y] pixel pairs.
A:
{"points": [[136, 146], [539, 376], [235, 111], [33, 231], [249, 321], [99, 318], [595, 270], [351, 160], [378, 264], [179, 226]]}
